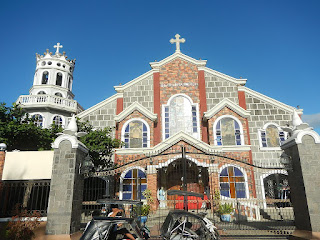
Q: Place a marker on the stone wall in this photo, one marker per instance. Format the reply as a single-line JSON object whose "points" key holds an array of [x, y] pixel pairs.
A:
{"points": [[217, 89], [141, 92], [103, 117]]}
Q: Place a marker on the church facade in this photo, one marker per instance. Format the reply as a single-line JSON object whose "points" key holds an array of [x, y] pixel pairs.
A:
{"points": [[182, 110]]}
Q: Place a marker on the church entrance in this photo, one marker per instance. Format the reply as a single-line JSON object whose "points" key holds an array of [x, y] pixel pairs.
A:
{"points": [[172, 178]]}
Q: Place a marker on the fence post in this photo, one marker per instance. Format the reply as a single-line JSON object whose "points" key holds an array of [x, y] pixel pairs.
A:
{"points": [[66, 190], [301, 158]]}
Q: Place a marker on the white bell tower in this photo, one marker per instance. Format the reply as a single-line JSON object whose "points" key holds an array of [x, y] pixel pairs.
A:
{"points": [[50, 98]]}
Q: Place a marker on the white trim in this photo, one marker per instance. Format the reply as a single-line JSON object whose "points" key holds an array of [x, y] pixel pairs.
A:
{"points": [[99, 105], [226, 103], [179, 156], [75, 143], [297, 136], [40, 90], [215, 126], [240, 81], [264, 128], [157, 65], [140, 120], [182, 136], [269, 100], [121, 88], [263, 176], [123, 174], [244, 175], [168, 105], [136, 107]]}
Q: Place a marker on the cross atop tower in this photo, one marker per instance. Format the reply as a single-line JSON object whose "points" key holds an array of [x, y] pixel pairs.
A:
{"points": [[57, 47], [177, 41]]}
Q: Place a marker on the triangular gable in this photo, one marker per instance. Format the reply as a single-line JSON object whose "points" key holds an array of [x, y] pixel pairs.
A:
{"points": [[157, 65], [135, 107], [99, 105], [226, 103], [237, 81]]}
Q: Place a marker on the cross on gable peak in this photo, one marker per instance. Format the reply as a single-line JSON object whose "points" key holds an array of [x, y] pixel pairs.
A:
{"points": [[177, 41], [58, 46]]}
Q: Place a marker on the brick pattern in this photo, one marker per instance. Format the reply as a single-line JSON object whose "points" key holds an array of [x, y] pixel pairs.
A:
{"points": [[178, 72], [141, 92], [262, 113], [2, 159], [103, 117], [217, 89]]}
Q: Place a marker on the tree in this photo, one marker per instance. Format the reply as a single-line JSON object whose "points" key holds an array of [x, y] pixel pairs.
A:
{"points": [[19, 131], [100, 143]]}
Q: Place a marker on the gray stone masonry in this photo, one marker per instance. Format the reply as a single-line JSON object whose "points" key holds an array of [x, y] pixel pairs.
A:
{"points": [[141, 92], [65, 200], [304, 181], [217, 89]]}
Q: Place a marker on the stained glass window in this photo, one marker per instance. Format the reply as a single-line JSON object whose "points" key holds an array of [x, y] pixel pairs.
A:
{"points": [[272, 137], [136, 135], [180, 115], [228, 132], [232, 183], [134, 184]]}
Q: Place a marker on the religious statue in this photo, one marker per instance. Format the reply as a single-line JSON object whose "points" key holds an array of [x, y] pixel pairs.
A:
{"points": [[161, 194]]}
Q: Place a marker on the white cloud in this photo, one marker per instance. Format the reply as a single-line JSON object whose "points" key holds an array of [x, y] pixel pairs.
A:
{"points": [[313, 120]]}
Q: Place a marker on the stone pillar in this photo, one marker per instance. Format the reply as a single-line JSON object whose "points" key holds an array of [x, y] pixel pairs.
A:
{"points": [[66, 189], [302, 152]]}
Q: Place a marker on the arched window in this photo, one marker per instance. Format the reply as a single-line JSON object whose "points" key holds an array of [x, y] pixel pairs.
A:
{"points": [[69, 83], [41, 93], [136, 134], [228, 131], [58, 94], [180, 114], [272, 136], [131, 183], [59, 79], [45, 77], [38, 120], [232, 183], [57, 120]]}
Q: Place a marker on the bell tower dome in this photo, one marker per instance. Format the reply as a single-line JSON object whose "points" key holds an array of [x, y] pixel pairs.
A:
{"points": [[50, 98], [54, 74]]}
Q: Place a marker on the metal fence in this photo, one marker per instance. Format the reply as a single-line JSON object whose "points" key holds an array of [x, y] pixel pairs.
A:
{"points": [[259, 195], [32, 195]]}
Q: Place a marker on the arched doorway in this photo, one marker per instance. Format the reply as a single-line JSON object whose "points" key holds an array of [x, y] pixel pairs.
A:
{"points": [[276, 186], [171, 178]]}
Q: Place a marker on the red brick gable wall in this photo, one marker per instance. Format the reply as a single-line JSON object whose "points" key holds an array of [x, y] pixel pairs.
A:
{"points": [[176, 72]]}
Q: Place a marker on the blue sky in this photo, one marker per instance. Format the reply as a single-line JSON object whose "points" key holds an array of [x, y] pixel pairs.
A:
{"points": [[274, 44]]}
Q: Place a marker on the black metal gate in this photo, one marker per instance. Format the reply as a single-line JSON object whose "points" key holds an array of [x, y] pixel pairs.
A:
{"points": [[259, 195]]}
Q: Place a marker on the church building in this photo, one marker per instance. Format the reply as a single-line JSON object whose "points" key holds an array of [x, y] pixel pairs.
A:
{"points": [[188, 127]]}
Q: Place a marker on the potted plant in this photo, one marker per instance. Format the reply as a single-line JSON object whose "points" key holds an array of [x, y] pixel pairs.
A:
{"points": [[225, 211], [144, 210]]}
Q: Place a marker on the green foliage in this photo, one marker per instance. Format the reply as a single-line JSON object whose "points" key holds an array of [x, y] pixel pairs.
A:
{"points": [[22, 225], [19, 131], [225, 208], [144, 210], [100, 144]]}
